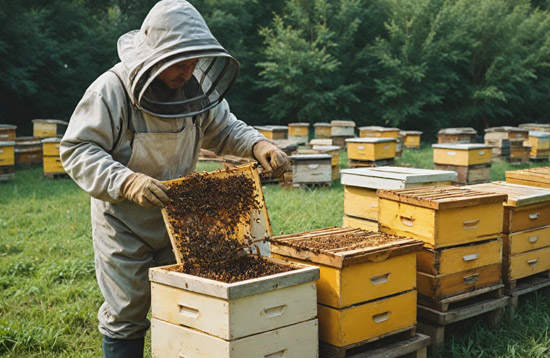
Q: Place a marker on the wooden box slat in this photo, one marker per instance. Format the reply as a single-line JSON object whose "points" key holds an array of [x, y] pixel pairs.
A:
{"points": [[322, 130], [539, 177], [274, 132], [342, 129], [377, 131], [7, 153], [461, 154], [526, 264], [295, 341], [396, 177], [7, 132], [528, 240], [360, 202], [359, 223]]}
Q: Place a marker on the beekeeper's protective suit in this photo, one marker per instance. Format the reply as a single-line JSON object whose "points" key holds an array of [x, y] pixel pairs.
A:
{"points": [[128, 132]]}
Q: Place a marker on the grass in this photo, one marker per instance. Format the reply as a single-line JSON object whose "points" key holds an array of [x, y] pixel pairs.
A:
{"points": [[49, 297]]}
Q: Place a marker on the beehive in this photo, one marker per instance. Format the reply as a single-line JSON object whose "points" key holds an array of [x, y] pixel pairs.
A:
{"points": [[411, 139], [379, 132], [28, 152], [367, 281], [49, 128], [298, 132], [370, 149], [441, 216], [472, 162], [273, 132], [506, 132], [526, 228], [539, 177], [361, 184], [7, 132], [540, 145], [261, 317], [7, 160], [311, 169], [519, 153], [334, 152], [342, 129], [50, 156], [536, 127], [456, 135], [322, 130]]}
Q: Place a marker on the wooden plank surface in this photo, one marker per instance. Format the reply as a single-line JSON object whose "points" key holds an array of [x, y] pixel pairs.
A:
{"points": [[541, 174], [518, 195]]}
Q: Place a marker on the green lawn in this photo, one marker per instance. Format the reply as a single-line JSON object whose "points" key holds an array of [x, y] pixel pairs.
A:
{"points": [[49, 297]]}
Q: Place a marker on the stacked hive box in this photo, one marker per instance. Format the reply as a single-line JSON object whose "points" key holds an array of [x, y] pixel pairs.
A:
{"points": [[7, 132], [273, 132], [361, 184], [49, 128], [322, 130], [269, 316], [539, 142], [334, 151], [370, 152], [509, 143], [340, 131], [298, 132], [539, 177], [536, 127], [411, 139], [7, 151], [28, 152], [367, 284], [52, 161], [461, 261], [310, 169], [526, 237], [383, 132], [472, 162], [456, 135]]}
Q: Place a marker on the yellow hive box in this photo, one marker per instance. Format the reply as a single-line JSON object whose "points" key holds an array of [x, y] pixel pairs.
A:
{"points": [[298, 132], [506, 132], [528, 240], [536, 127], [461, 154], [539, 177], [273, 132], [526, 207], [526, 264], [370, 149], [441, 216], [7, 132], [360, 185], [456, 135], [53, 165], [47, 128], [539, 143], [333, 150], [7, 153], [50, 147], [411, 139], [353, 325], [359, 223], [379, 132], [322, 130]]}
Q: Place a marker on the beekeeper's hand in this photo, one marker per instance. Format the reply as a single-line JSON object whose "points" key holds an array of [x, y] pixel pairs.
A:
{"points": [[273, 159], [144, 190]]}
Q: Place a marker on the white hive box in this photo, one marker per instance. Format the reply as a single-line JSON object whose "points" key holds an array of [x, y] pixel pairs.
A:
{"points": [[342, 128], [311, 168]]}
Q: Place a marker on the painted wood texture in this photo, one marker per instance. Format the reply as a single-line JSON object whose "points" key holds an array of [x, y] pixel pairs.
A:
{"points": [[53, 165], [7, 132], [412, 141], [237, 318], [342, 129], [437, 287], [364, 224], [459, 258], [518, 195], [7, 154], [370, 150], [379, 132], [539, 177], [255, 225], [360, 202], [312, 171], [473, 174], [343, 256], [44, 129], [322, 131], [343, 327], [441, 228], [298, 129], [354, 284], [462, 154], [523, 241], [389, 177], [50, 148], [526, 264], [295, 341]]}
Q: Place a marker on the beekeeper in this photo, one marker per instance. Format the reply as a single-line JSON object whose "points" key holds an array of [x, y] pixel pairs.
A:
{"points": [[139, 123]]}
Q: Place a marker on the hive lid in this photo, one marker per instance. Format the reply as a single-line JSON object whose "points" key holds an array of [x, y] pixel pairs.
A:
{"points": [[339, 247], [300, 124], [230, 216], [541, 174], [370, 140], [51, 140], [518, 195], [393, 177], [539, 134], [310, 157], [378, 129], [342, 123], [461, 146], [460, 130], [320, 141], [5, 127], [535, 125], [326, 148], [505, 129], [441, 197], [8, 143], [410, 132], [321, 124], [272, 128], [56, 121]]}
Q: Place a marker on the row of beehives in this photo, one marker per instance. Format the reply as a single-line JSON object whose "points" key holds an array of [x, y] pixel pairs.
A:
{"points": [[26, 152]]}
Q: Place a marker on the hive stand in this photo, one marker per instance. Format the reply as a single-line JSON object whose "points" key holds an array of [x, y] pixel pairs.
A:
{"points": [[539, 282], [434, 317]]}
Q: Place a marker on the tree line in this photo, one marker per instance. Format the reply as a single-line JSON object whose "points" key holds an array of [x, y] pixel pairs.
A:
{"points": [[412, 64]]}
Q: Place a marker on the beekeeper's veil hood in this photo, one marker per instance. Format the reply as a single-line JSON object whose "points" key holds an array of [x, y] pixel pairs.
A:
{"points": [[172, 32]]}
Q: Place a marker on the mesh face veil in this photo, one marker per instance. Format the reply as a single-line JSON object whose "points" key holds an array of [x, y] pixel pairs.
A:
{"points": [[213, 77]]}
